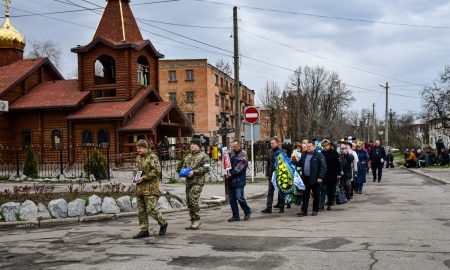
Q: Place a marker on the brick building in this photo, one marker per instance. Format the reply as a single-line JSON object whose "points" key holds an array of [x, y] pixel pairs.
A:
{"points": [[279, 129], [204, 93], [114, 102]]}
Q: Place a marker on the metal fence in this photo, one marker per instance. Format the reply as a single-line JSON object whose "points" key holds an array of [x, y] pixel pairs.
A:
{"points": [[71, 161], [53, 162], [170, 160]]}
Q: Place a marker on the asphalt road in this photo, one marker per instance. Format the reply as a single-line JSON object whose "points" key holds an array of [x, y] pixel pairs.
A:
{"points": [[401, 223]]}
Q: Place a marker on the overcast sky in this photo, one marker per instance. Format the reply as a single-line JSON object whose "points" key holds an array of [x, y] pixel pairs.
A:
{"points": [[406, 56]]}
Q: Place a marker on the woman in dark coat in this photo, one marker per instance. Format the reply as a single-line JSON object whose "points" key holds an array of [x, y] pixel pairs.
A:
{"points": [[363, 158]]}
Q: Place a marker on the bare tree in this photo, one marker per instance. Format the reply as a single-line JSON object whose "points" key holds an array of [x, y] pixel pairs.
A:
{"points": [[436, 100], [224, 66], [403, 135], [46, 48], [320, 102], [270, 99]]}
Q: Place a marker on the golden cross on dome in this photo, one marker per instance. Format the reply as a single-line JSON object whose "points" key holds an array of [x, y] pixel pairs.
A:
{"points": [[7, 2]]}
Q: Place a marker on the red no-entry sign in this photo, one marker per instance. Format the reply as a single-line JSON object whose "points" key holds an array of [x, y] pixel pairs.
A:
{"points": [[251, 115]]}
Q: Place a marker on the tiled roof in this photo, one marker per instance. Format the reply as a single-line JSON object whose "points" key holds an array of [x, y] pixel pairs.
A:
{"points": [[137, 45], [117, 20], [148, 116], [114, 109], [51, 94], [13, 73]]}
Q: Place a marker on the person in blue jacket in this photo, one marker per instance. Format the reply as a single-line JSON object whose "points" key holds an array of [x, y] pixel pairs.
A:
{"points": [[237, 180], [363, 158]]}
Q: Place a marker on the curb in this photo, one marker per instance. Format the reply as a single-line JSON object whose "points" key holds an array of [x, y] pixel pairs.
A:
{"points": [[104, 217], [437, 179]]}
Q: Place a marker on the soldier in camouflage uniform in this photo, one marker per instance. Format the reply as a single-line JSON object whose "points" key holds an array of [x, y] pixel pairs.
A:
{"points": [[147, 189], [198, 161]]}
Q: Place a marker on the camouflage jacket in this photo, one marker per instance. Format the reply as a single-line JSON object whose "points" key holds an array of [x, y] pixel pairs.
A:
{"points": [[199, 163], [150, 167]]}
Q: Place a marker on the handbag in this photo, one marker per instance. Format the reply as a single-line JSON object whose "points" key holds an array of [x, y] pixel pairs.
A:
{"points": [[340, 197], [184, 172]]}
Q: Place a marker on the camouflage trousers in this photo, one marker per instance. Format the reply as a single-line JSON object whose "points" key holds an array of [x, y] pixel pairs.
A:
{"points": [[192, 199], [146, 206]]}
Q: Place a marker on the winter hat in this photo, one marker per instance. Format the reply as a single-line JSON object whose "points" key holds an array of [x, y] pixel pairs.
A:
{"points": [[196, 141], [142, 143]]}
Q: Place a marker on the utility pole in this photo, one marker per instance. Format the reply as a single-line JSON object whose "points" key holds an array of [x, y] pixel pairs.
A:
{"points": [[237, 84], [373, 123], [386, 116], [298, 105]]}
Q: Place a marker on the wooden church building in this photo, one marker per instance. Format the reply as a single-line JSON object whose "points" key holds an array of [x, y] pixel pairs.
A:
{"points": [[114, 102]]}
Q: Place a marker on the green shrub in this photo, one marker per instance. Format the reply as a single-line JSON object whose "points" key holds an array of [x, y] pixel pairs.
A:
{"points": [[97, 165], [173, 181], [30, 167]]}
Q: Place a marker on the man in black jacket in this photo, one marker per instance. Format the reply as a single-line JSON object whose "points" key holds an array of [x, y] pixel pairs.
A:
{"points": [[332, 175], [314, 169], [270, 168], [377, 158]]}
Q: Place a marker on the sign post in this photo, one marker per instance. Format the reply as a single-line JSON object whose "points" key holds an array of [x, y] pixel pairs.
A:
{"points": [[251, 116], [226, 169]]}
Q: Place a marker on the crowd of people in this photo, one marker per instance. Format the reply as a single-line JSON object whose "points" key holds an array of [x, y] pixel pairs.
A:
{"points": [[325, 168], [420, 158], [329, 172]]}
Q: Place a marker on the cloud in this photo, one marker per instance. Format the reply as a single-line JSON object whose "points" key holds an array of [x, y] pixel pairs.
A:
{"points": [[409, 54]]}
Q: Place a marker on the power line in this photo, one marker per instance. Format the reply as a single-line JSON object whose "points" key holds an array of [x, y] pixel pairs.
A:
{"points": [[186, 25], [328, 59], [204, 43], [377, 91], [327, 16], [80, 10]]}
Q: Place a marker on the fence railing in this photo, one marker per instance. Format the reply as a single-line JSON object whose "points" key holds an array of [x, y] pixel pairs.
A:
{"points": [[53, 162], [71, 161], [171, 157]]}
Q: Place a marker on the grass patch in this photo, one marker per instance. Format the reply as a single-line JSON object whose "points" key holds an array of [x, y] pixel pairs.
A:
{"points": [[18, 217], [85, 198], [437, 167], [173, 181]]}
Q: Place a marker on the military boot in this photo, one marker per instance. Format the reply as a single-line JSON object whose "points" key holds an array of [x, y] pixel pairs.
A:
{"points": [[189, 227], [196, 224], [163, 229], [141, 234]]}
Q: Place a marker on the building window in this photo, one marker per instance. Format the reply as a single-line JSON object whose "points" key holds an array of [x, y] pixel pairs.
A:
{"points": [[267, 135], [190, 97], [105, 70], [104, 93], [191, 117], [221, 82], [172, 76], [189, 75], [86, 137], [143, 71], [217, 100], [217, 120], [26, 138], [103, 136], [217, 79], [172, 96], [266, 125], [56, 139]]}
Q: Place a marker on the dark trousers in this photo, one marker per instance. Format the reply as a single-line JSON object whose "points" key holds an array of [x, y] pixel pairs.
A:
{"points": [[328, 191], [389, 164], [237, 196], [270, 194], [307, 193], [377, 167]]}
